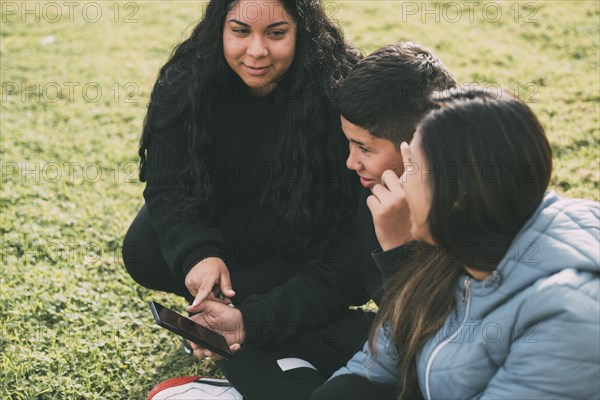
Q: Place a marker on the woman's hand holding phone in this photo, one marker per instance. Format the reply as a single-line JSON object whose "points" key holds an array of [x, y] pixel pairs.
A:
{"points": [[206, 276], [225, 320]]}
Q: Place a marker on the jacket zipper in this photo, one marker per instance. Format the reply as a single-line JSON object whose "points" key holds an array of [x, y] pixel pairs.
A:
{"points": [[466, 299]]}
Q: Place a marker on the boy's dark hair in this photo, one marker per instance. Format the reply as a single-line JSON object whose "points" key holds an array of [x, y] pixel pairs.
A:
{"points": [[387, 92]]}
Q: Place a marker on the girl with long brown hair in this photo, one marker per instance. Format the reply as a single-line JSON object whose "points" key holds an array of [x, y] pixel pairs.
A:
{"points": [[510, 307]]}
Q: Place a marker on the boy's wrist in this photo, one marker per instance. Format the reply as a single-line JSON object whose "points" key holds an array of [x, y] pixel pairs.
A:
{"points": [[394, 242]]}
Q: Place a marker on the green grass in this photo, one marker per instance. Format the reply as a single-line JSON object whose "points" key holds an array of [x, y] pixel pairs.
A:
{"points": [[72, 323]]}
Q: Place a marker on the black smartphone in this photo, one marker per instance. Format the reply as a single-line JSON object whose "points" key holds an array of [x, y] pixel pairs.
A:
{"points": [[190, 330]]}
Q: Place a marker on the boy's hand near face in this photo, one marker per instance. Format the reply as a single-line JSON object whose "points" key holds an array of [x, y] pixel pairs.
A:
{"points": [[390, 212]]}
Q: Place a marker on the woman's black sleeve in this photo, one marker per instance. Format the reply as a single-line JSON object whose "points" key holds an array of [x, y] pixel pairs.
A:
{"points": [[184, 240], [317, 294]]}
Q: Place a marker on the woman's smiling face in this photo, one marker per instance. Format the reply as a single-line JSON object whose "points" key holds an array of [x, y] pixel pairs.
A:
{"points": [[259, 43]]}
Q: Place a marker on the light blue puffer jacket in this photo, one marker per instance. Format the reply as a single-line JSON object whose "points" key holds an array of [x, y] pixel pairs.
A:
{"points": [[529, 331]]}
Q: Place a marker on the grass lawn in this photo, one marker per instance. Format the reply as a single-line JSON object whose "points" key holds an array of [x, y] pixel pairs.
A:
{"points": [[75, 84]]}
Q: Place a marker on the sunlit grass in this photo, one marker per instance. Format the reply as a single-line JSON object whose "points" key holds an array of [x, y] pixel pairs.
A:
{"points": [[72, 323]]}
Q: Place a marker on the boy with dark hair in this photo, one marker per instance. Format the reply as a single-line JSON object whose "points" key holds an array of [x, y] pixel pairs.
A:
{"points": [[298, 334], [380, 102]]}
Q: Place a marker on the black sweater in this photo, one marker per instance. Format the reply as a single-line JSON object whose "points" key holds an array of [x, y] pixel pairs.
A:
{"points": [[320, 292], [235, 226]]}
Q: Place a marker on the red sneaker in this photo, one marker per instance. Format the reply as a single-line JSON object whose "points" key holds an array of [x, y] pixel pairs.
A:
{"points": [[193, 388]]}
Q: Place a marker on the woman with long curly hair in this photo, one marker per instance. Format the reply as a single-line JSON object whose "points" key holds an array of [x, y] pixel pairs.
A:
{"points": [[243, 155]]}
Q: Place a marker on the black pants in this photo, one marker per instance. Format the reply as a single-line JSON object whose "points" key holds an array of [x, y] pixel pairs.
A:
{"points": [[352, 387], [255, 371]]}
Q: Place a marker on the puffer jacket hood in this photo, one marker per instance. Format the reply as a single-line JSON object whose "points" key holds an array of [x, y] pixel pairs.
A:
{"points": [[562, 235], [559, 231]]}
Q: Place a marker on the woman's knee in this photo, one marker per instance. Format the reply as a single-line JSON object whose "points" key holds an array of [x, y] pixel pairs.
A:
{"points": [[142, 256], [131, 253]]}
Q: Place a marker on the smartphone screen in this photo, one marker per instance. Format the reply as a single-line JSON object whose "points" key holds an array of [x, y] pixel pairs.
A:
{"points": [[190, 330]]}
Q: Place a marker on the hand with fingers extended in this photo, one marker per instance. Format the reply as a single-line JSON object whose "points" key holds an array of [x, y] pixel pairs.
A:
{"points": [[223, 319], [207, 278], [389, 208]]}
